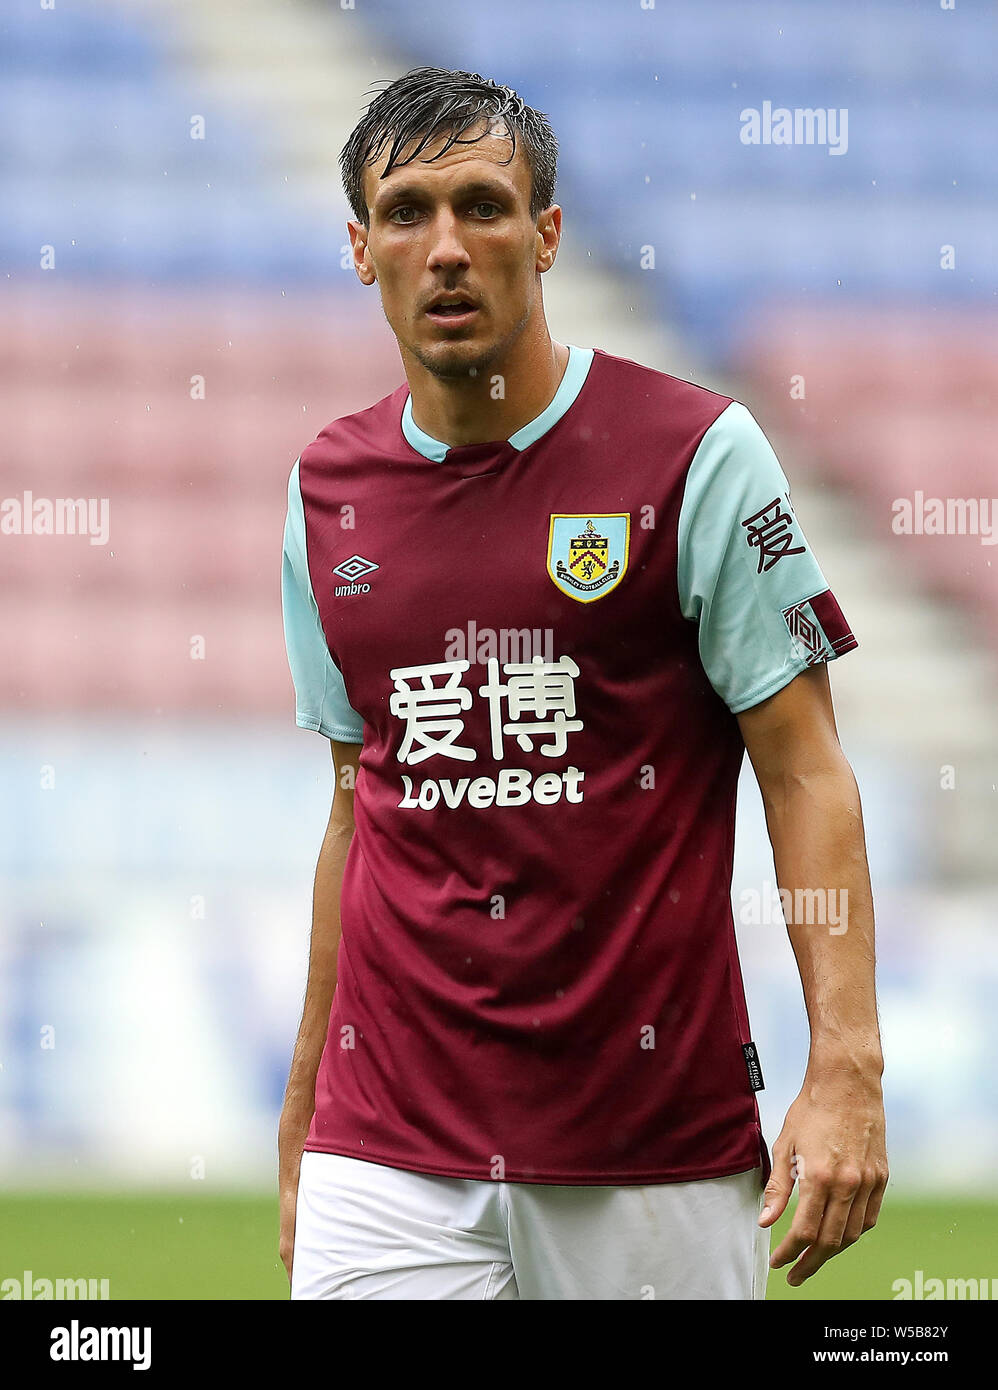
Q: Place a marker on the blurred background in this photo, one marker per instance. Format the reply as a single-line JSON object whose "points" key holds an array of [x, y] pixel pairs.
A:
{"points": [[178, 319]]}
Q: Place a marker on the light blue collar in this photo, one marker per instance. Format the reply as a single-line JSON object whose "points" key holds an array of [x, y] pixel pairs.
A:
{"points": [[579, 362]]}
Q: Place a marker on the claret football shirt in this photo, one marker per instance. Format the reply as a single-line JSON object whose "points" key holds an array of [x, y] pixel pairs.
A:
{"points": [[542, 643]]}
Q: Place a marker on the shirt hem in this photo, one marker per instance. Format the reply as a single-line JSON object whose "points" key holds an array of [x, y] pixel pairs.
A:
{"points": [[567, 1179], [789, 673], [337, 731]]}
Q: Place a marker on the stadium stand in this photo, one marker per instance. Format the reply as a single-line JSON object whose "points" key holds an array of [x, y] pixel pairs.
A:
{"points": [[177, 258], [194, 326]]}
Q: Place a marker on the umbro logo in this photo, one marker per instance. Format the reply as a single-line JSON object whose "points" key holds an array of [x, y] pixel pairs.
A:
{"points": [[353, 569]]}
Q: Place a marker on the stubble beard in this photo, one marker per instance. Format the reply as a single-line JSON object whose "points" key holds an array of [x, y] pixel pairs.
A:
{"points": [[452, 362]]}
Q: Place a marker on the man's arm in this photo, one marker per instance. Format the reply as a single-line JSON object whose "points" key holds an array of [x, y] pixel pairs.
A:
{"points": [[833, 1139], [299, 1097]]}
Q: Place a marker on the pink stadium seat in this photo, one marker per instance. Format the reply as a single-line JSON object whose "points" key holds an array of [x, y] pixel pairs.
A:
{"points": [[895, 403], [95, 401]]}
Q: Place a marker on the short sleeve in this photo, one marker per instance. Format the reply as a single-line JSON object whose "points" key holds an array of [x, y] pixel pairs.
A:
{"points": [[320, 695], [746, 573]]}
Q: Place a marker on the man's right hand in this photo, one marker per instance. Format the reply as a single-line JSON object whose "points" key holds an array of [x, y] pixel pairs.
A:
{"points": [[299, 1097], [293, 1132], [289, 1200]]}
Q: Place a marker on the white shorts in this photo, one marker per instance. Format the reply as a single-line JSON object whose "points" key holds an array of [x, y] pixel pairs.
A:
{"points": [[364, 1230]]}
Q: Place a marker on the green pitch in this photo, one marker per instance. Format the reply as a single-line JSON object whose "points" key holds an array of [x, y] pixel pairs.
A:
{"points": [[182, 1245]]}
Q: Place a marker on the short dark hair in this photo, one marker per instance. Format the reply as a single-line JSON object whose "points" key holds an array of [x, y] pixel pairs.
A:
{"points": [[426, 103]]}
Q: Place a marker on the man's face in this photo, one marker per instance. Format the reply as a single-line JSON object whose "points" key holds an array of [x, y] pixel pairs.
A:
{"points": [[460, 229]]}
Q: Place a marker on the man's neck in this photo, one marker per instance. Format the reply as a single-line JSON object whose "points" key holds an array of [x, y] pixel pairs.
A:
{"points": [[460, 411]]}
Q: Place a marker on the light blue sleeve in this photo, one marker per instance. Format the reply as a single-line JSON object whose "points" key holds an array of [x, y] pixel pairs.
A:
{"points": [[746, 573], [320, 696]]}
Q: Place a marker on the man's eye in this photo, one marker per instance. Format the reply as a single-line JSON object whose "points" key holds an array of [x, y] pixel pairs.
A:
{"points": [[490, 208], [396, 216]]}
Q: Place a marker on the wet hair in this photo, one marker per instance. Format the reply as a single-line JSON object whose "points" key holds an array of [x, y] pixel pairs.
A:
{"points": [[427, 103]]}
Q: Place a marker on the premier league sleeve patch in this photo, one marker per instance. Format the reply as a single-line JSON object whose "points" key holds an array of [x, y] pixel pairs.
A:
{"points": [[587, 555]]}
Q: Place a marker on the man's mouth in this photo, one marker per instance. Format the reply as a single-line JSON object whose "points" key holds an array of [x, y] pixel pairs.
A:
{"points": [[456, 310]]}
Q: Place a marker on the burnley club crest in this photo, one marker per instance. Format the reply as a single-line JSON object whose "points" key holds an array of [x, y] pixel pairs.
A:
{"points": [[587, 555]]}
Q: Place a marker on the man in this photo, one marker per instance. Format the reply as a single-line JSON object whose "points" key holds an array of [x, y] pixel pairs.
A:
{"points": [[541, 599]]}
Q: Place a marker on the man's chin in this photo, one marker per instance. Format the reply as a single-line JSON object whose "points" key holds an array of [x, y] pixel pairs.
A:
{"points": [[456, 359]]}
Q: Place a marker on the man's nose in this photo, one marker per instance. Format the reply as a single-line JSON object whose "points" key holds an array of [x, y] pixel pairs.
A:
{"points": [[447, 250]]}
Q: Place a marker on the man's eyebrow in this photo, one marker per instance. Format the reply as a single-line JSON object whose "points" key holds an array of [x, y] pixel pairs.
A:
{"points": [[411, 192]]}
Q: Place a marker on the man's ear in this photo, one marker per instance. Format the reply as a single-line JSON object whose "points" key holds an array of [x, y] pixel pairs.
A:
{"points": [[357, 233], [549, 235]]}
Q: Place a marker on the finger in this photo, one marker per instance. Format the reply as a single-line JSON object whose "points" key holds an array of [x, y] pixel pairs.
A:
{"points": [[856, 1224], [779, 1187], [828, 1241], [805, 1226], [873, 1205]]}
